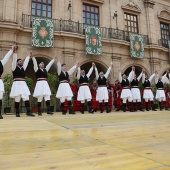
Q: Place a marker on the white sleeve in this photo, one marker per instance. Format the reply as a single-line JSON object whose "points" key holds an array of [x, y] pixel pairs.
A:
{"points": [[130, 77], [156, 78], [26, 61], [58, 68], [90, 72], [140, 76], [71, 71], [120, 77], [6, 58], [163, 77], [14, 62], [97, 74], [143, 78], [49, 65], [108, 72], [151, 77], [78, 73], [35, 64]]}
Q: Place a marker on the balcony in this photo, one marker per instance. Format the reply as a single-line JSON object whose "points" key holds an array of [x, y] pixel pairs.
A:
{"points": [[163, 43], [76, 27]]}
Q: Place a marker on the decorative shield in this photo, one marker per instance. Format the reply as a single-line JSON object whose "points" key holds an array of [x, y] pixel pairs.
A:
{"points": [[93, 40], [42, 32], [136, 45]]}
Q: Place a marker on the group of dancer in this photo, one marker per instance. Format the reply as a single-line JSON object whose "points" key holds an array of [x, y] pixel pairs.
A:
{"points": [[130, 86]]}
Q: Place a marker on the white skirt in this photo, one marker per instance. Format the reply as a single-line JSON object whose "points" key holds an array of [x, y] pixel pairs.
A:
{"points": [[160, 94], [64, 90], [1, 86], [147, 94], [135, 94], [102, 94], [41, 89], [84, 93], [19, 88], [126, 93]]}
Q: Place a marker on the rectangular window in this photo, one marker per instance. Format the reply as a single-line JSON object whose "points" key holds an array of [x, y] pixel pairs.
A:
{"points": [[90, 14], [131, 23], [41, 8], [165, 33]]}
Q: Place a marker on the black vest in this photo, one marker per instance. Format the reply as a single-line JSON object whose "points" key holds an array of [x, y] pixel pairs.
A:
{"points": [[19, 72], [1, 68], [147, 84], [125, 83], [160, 84], [83, 79], [101, 81], [135, 82], [63, 76], [41, 74]]}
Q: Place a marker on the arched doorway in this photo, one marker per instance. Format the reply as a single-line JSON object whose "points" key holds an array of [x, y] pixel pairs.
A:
{"points": [[86, 67]]}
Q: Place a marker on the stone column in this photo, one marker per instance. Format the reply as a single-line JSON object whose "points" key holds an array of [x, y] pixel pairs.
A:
{"points": [[116, 59], [149, 7]]}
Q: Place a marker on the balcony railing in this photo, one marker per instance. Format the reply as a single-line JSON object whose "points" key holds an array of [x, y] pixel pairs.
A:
{"points": [[163, 43], [76, 27]]}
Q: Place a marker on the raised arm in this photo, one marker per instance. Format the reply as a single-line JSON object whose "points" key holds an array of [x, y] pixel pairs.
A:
{"points": [[108, 71], [26, 61], [90, 72], [156, 78], [14, 61], [140, 76], [6, 58], [120, 77], [58, 68], [49, 65], [35, 64], [151, 77], [96, 73], [78, 73], [72, 70], [131, 76], [163, 77]]}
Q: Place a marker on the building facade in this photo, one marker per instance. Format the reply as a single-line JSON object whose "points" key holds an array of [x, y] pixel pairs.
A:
{"points": [[116, 18]]}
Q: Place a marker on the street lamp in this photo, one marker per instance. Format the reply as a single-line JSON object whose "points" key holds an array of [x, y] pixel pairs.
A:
{"points": [[115, 16], [69, 8]]}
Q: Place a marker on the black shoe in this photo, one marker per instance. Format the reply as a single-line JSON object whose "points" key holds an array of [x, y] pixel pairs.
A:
{"points": [[108, 110], [50, 113], [160, 108], [166, 108], [91, 111], [30, 114], [135, 110], [71, 112], [124, 110], [141, 109], [17, 115], [1, 116], [39, 113], [64, 112], [117, 110], [154, 109], [82, 111], [131, 110], [101, 111]]}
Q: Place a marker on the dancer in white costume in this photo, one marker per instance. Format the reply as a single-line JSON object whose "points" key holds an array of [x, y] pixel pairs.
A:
{"points": [[42, 89], [148, 94], [160, 93], [102, 92], [126, 93], [19, 87], [64, 91], [2, 64], [136, 95], [84, 91]]}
